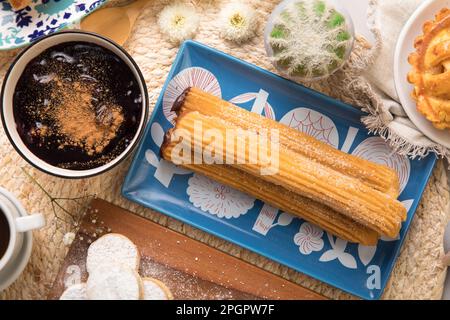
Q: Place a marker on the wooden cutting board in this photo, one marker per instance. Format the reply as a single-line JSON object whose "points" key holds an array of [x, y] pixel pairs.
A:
{"points": [[191, 269]]}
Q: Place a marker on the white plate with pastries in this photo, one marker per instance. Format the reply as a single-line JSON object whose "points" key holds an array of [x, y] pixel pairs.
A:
{"points": [[405, 46]]}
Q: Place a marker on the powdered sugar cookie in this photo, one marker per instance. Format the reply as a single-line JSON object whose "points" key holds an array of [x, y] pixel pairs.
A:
{"points": [[155, 290], [114, 282], [112, 248], [75, 292]]}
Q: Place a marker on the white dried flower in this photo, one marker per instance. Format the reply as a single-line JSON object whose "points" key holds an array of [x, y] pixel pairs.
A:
{"points": [[179, 22], [68, 238], [238, 22]]}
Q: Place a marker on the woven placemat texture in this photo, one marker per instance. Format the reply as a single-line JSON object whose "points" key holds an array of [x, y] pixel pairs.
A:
{"points": [[418, 273]]}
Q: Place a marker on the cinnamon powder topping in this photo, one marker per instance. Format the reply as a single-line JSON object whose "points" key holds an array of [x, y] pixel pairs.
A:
{"points": [[79, 122], [77, 106]]}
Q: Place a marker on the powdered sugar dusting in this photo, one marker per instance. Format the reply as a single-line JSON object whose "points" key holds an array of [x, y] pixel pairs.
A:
{"points": [[153, 291], [185, 286], [112, 249], [75, 292], [113, 282]]}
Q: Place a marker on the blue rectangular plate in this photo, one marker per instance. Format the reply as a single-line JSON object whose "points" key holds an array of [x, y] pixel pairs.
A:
{"points": [[236, 217]]}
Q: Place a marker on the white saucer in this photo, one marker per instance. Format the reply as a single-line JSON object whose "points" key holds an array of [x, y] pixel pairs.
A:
{"points": [[405, 46], [15, 268]]}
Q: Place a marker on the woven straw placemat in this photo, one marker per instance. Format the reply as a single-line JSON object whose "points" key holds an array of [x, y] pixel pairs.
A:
{"points": [[418, 273]]}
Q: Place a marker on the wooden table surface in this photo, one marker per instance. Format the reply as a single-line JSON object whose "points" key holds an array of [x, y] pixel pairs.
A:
{"points": [[191, 269]]}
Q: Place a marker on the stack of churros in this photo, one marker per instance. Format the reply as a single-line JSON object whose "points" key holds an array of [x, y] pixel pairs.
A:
{"points": [[349, 197]]}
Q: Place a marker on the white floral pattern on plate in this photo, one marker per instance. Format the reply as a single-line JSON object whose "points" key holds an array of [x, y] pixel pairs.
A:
{"points": [[366, 253], [309, 238], [266, 218], [165, 170], [218, 199], [314, 124], [190, 77], [337, 251], [260, 106], [375, 149]]}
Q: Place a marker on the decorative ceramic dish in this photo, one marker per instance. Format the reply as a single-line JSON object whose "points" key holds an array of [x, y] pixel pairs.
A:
{"points": [[405, 46], [239, 218], [19, 28]]}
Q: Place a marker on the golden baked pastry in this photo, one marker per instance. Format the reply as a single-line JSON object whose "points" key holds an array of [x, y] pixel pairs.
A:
{"points": [[379, 177], [279, 197], [430, 72], [328, 193]]}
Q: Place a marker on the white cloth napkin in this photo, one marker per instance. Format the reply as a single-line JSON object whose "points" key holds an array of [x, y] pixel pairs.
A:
{"points": [[389, 18]]}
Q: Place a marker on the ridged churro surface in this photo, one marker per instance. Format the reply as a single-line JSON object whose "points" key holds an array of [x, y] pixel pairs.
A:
{"points": [[347, 196], [285, 200], [377, 176]]}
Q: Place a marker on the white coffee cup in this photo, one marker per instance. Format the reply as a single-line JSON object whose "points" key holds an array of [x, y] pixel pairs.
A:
{"points": [[19, 222]]}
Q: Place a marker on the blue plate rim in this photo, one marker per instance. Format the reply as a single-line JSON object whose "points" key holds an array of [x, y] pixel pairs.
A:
{"points": [[344, 106]]}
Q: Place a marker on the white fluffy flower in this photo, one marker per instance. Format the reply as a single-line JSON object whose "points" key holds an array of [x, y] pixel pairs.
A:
{"points": [[68, 238], [179, 22], [238, 22]]}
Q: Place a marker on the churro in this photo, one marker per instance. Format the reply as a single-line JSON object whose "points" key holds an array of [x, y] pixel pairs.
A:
{"points": [[379, 177], [304, 176], [350, 197], [279, 197]]}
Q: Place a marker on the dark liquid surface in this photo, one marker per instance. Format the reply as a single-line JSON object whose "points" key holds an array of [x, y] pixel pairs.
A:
{"points": [[83, 63], [4, 234]]}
